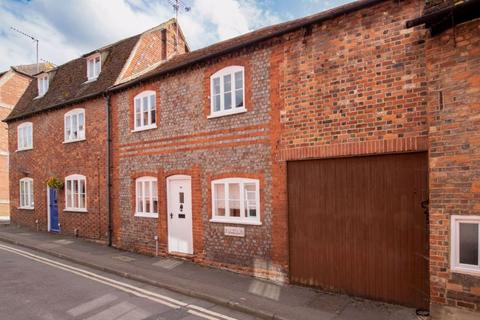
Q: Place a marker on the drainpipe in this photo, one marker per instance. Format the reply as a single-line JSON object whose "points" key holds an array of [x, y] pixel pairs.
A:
{"points": [[108, 164]]}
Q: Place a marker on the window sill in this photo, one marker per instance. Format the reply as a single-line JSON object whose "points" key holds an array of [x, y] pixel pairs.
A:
{"points": [[146, 215], [75, 210], [26, 149], [144, 128], [26, 208], [72, 141], [226, 113], [466, 270], [236, 221], [90, 80]]}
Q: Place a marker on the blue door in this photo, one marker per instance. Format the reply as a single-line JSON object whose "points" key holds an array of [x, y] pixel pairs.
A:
{"points": [[53, 210]]}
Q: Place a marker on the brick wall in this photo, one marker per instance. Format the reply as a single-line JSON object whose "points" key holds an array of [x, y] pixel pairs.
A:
{"points": [[355, 85], [152, 48], [51, 157], [453, 65], [4, 207], [187, 142], [12, 87]]}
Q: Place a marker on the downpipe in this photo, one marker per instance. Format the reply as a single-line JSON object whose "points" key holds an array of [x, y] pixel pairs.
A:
{"points": [[108, 166]]}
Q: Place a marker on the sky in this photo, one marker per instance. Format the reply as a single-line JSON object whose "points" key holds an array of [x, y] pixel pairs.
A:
{"points": [[67, 29]]}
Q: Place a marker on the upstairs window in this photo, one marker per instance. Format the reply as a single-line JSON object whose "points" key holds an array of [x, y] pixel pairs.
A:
{"points": [[25, 136], [145, 111], [43, 83], [465, 242], [26, 193], [236, 200], [94, 67], [227, 91], [76, 193], [146, 197], [75, 125]]}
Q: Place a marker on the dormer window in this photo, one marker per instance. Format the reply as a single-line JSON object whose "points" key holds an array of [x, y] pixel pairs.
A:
{"points": [[94, 66], [42, 84]]}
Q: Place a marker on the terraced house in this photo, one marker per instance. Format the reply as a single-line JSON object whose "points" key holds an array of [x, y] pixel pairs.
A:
{"points": [[337, 151]]}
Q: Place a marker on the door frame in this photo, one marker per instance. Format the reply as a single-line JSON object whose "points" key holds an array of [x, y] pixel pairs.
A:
{"points": [[48, 208], [179, 177], [49, 229]]}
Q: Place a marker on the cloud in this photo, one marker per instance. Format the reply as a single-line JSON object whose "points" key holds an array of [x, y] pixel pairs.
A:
{"points": [[68, 29]]}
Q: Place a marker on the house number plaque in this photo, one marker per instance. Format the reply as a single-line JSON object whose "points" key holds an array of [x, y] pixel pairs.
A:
{"points": [[234, 231]]}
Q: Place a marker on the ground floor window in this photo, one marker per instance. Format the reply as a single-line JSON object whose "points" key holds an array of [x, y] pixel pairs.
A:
{"points": [[76, 193], [236, 200], [26, 193], [146, 197], [465, 242]]}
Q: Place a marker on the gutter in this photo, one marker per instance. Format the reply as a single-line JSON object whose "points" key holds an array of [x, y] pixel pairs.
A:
{"points": [[327, 15], [108, 105], [21, 72], [54, 106], [467, 8]]}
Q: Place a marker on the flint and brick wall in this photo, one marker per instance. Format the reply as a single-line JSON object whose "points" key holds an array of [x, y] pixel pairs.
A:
{"points": [[453, 67], [51, 157], [187, 142]]}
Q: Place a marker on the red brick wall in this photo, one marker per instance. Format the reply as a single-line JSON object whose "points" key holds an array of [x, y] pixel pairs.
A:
{"points": [[50, 157], [355, 85], [149, 50], [453, 67], [12, 87]]}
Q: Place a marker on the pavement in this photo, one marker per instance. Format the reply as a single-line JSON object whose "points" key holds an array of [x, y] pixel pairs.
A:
{"points": [[258, 298]]}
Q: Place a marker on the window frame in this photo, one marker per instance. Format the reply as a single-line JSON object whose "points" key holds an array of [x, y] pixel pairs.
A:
{"points": [[455, 264], [92, 59], [230, 70], [143, 213], [42, 84], [236, 220], [29, 201], [78, 178], [20, 137], [140, 97], [75, 112]]}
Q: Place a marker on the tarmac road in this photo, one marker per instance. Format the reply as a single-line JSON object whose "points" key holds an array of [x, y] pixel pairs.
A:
{"points": [[35, 286]]}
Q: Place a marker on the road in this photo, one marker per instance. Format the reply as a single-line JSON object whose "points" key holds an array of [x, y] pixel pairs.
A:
{"points": [[36, 286]]}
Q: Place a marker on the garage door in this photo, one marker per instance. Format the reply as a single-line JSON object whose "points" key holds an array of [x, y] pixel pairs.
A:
{"points": [[357, 226]]}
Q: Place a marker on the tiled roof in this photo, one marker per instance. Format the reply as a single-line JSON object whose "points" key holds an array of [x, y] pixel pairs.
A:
{"points": [[230, 45], [31, 69], [68, 82]]}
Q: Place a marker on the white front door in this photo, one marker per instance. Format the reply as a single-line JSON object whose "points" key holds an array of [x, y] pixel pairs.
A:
{"points": [[179, 214]]}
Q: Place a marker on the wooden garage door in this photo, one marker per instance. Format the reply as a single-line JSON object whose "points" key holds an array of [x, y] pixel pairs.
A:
{"points": [[357, 226]]}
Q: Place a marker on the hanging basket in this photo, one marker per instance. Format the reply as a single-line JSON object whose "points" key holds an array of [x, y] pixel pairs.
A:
{"points": [[54, 183]]}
